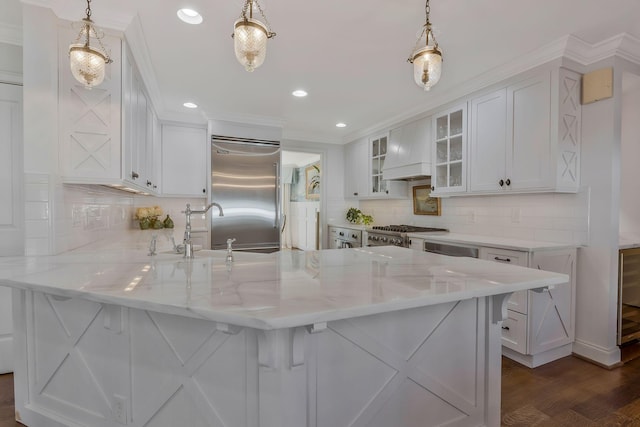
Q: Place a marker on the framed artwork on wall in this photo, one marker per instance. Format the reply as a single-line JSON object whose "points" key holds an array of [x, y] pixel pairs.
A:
{"points": [[312, 182], [423, 203]]}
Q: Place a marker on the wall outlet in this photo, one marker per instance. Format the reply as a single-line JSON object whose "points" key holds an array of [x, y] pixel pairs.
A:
{"points": [[119, 409]]}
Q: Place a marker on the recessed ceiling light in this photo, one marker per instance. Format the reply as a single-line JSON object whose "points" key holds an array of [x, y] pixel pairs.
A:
{"points": [[299, 93], [190, 105], [189, 16], [341, 125]]}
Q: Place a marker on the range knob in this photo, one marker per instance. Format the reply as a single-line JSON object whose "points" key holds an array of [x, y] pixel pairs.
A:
{"points": [[384, 239]]}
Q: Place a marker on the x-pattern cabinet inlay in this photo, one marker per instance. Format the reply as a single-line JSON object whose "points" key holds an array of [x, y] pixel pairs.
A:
{"points": [[104, 365]]}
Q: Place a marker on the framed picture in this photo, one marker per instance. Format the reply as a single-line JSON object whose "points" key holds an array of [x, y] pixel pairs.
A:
{"points": [[312, 182], [423, 203]]}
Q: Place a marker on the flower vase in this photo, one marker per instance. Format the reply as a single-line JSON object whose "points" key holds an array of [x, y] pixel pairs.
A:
{"points": [[145, 223]]}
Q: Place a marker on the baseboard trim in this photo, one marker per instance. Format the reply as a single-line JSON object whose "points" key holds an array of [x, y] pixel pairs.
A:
{"points": [[605, 357]]}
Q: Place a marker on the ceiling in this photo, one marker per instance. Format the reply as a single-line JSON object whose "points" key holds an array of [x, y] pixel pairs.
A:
{"points": [[350, 56]]}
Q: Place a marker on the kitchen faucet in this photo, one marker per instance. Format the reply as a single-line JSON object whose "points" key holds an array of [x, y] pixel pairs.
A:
{"points": [[188, 246]]}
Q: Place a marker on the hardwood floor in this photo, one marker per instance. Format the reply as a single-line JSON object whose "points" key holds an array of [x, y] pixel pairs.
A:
{"points": [[568, 392]]}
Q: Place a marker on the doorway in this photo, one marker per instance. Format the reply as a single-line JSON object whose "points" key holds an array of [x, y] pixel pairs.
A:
{"points": [[301, 174]]}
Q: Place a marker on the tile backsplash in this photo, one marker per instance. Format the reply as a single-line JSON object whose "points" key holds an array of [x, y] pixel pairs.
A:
{"points": [[62, 217], [551, 217]]}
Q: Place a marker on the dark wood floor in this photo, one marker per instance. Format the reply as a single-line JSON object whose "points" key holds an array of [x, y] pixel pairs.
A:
{"points": [[568, 392]]}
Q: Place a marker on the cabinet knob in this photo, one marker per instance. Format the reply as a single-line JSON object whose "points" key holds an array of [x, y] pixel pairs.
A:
{"points": [[433, 188], [148, 183], [501, 182], [204, 191], [508, 181], [155, 186], [355, 194], [134, 175]]}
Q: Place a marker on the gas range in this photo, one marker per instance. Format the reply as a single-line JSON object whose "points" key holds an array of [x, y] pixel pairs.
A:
{"points": [[395, 234]]}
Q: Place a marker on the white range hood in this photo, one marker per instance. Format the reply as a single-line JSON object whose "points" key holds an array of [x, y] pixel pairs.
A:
{"points": [[409, 151]]}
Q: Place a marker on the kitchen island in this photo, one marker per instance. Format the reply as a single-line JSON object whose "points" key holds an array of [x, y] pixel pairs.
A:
{"points": [[380, 336]]}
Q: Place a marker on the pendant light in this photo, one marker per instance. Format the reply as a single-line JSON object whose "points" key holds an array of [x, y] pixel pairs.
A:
{"points": [[88, 62], [427, 60], [250, 36]]}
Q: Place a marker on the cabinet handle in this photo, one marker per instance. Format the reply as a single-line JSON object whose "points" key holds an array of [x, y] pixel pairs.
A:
{"points": [[134, 175], [148, 183], [508, 182], [501, 182], [502, 259], [433, 188], [506, 328]]}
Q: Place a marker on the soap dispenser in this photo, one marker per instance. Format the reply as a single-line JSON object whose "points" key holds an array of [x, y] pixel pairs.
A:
{"points": [[230, 250]]}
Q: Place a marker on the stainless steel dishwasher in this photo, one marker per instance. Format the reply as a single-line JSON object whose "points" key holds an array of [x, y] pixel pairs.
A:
{"points": [[451, 249]]}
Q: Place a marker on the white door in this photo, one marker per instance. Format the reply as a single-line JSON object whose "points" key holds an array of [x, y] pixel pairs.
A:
{"points": [[11, 208]]}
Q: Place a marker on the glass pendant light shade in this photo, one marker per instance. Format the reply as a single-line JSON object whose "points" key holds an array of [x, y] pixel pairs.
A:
{"points": [[250, 36], [427, 66], [426, 60], [250, 42], [88, 62], [87, 65]]}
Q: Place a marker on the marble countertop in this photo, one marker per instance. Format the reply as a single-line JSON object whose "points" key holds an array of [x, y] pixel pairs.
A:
{"points": [[492, 242], [270, 291]]}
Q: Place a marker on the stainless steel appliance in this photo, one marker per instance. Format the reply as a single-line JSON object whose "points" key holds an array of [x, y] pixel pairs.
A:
{"points": [[451, 250], [245, 181], [628, 295], [341, 238], [395, 234]]}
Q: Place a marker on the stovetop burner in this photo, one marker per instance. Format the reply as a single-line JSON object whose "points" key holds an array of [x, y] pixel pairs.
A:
{"points": [[407, 228]]}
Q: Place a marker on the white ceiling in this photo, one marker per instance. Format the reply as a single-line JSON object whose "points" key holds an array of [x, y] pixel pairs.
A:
{"points": [[349, 55]]}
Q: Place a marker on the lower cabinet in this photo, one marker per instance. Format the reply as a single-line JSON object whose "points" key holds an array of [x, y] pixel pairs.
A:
{"points": [[540, 326]]}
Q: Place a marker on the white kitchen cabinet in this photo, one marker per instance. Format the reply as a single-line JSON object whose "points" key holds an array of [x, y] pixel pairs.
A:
{"points": [[364, 160], [525, 137], [184, 161], [304, 225], [409, 151], [487, 141], [90, 130], [540, 325], [416, 243], [139, 138], [356, 171], [449, 151]]}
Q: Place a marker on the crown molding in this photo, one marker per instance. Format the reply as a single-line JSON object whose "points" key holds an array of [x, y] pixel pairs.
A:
{"points": [[72, 11], [11, 34], [569, 47]]}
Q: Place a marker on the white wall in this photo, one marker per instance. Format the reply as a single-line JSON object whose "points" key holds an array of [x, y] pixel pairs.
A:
{"points": [[630, 156]]}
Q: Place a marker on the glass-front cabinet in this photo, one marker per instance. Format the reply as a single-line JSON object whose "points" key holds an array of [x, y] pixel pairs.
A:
{"points": [[378, 155], [450, 128]]}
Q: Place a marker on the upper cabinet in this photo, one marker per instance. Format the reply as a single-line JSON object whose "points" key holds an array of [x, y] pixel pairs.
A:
{"points": [[449, 151], [140, 138], [409, 151], [184, 161], [109, 134], [89, 137], [364, 163], [356, 172], [525, 137]]}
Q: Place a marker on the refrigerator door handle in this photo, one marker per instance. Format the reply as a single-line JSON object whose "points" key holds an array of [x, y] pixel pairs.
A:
{"points": [[276, 223]]}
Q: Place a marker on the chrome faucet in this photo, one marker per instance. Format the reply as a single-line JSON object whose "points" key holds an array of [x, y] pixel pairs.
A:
{"points": [[188, 246]]}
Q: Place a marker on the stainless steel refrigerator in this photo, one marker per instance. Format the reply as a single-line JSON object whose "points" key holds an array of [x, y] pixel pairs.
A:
{"points": [[245, 181]]}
